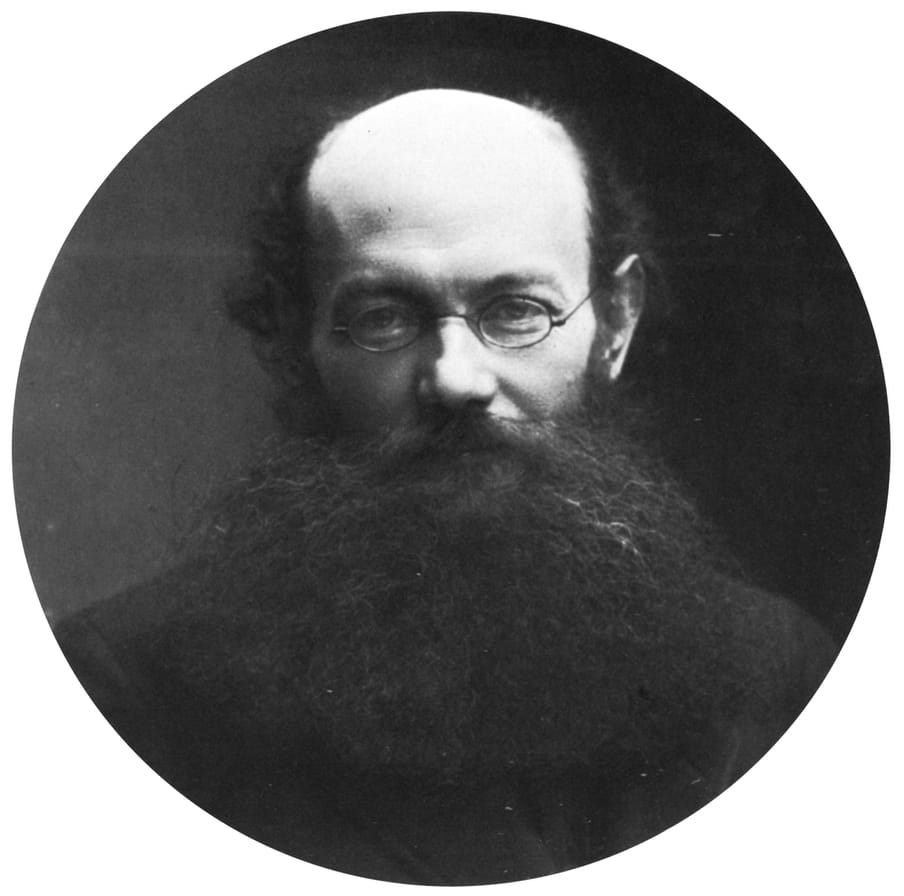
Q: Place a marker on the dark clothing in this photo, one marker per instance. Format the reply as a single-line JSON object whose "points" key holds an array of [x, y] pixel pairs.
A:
{"points": [[481, 829]]}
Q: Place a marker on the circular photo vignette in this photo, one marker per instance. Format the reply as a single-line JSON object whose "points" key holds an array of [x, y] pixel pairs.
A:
{"points": [[156, 400]]}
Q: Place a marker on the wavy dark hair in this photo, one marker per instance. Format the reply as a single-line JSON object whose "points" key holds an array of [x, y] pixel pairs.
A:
{"points": [[273, 302]]}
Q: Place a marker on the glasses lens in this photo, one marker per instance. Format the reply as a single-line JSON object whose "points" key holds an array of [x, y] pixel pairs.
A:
{"points": [[515, 322], [384, 328]]}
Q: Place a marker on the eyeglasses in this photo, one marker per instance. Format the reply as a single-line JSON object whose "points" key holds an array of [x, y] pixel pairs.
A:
{"points": [[506, 322]]}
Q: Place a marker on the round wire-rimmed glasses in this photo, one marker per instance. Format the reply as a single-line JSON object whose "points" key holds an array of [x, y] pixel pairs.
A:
{"points": [[506, 322]]}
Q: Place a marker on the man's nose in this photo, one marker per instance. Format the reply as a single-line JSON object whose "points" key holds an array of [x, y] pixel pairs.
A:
{"points": [[456, 369]]}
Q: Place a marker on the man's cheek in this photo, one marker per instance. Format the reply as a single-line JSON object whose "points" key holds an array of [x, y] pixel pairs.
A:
{"points": [[546, 397], [368, 399]]}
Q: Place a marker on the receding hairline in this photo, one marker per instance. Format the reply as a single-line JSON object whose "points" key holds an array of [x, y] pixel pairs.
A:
{"points": [[547, 125], [451, 95]]}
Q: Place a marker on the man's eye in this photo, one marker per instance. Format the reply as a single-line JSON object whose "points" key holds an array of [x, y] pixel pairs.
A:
{"points": [[384, 327], [516, 313], [379, 318]]}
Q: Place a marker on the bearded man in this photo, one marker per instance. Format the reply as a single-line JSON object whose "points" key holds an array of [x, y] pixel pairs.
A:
{"points": [[457, 627]]}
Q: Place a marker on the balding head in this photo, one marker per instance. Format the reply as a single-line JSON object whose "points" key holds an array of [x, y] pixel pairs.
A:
{"points": [[449, 155]]}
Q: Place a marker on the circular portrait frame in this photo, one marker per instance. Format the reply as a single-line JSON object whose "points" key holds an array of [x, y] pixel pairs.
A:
{"points": [[92, 756]]}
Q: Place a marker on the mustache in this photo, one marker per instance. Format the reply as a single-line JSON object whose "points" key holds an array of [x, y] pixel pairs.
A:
{"points": [[454, 436]]}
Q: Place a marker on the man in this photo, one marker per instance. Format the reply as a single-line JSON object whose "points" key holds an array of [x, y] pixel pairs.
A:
{"points": [[458, 627]]}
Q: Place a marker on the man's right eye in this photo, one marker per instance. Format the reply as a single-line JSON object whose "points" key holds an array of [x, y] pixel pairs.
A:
{"points": [[384, 327], [382, 319]]}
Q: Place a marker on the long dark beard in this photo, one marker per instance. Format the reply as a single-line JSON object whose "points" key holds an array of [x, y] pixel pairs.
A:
{"points": [[477, 595]]}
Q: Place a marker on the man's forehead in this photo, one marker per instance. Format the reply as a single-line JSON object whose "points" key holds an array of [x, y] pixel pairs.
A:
{"points": [[423, 116], [442, 150]]}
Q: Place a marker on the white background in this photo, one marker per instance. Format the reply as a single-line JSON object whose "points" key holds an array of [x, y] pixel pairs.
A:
{"points": [[820, 83]]}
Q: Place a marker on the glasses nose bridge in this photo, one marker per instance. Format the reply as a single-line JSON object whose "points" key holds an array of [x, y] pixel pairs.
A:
{"points": [[472, 322]]}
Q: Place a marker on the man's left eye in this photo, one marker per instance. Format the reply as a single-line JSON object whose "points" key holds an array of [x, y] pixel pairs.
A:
{"points": [[515, 311]]}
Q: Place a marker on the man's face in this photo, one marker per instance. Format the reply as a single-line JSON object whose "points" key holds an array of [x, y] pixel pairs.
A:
{"points": [[502, 577], [443, 202]]}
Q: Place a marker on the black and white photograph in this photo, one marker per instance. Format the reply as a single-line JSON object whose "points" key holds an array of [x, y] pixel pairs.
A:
{"points": [[452, 449]]}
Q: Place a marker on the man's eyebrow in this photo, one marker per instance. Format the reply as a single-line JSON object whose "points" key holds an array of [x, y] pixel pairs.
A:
{"points": [[400, 286], [364, 286], [522, 280]]}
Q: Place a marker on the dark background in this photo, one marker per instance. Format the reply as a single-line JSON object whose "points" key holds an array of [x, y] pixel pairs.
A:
{"points": [[136, 397]]}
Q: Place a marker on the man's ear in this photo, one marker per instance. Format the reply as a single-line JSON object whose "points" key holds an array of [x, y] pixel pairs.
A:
{"points": [[619, 320]]}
